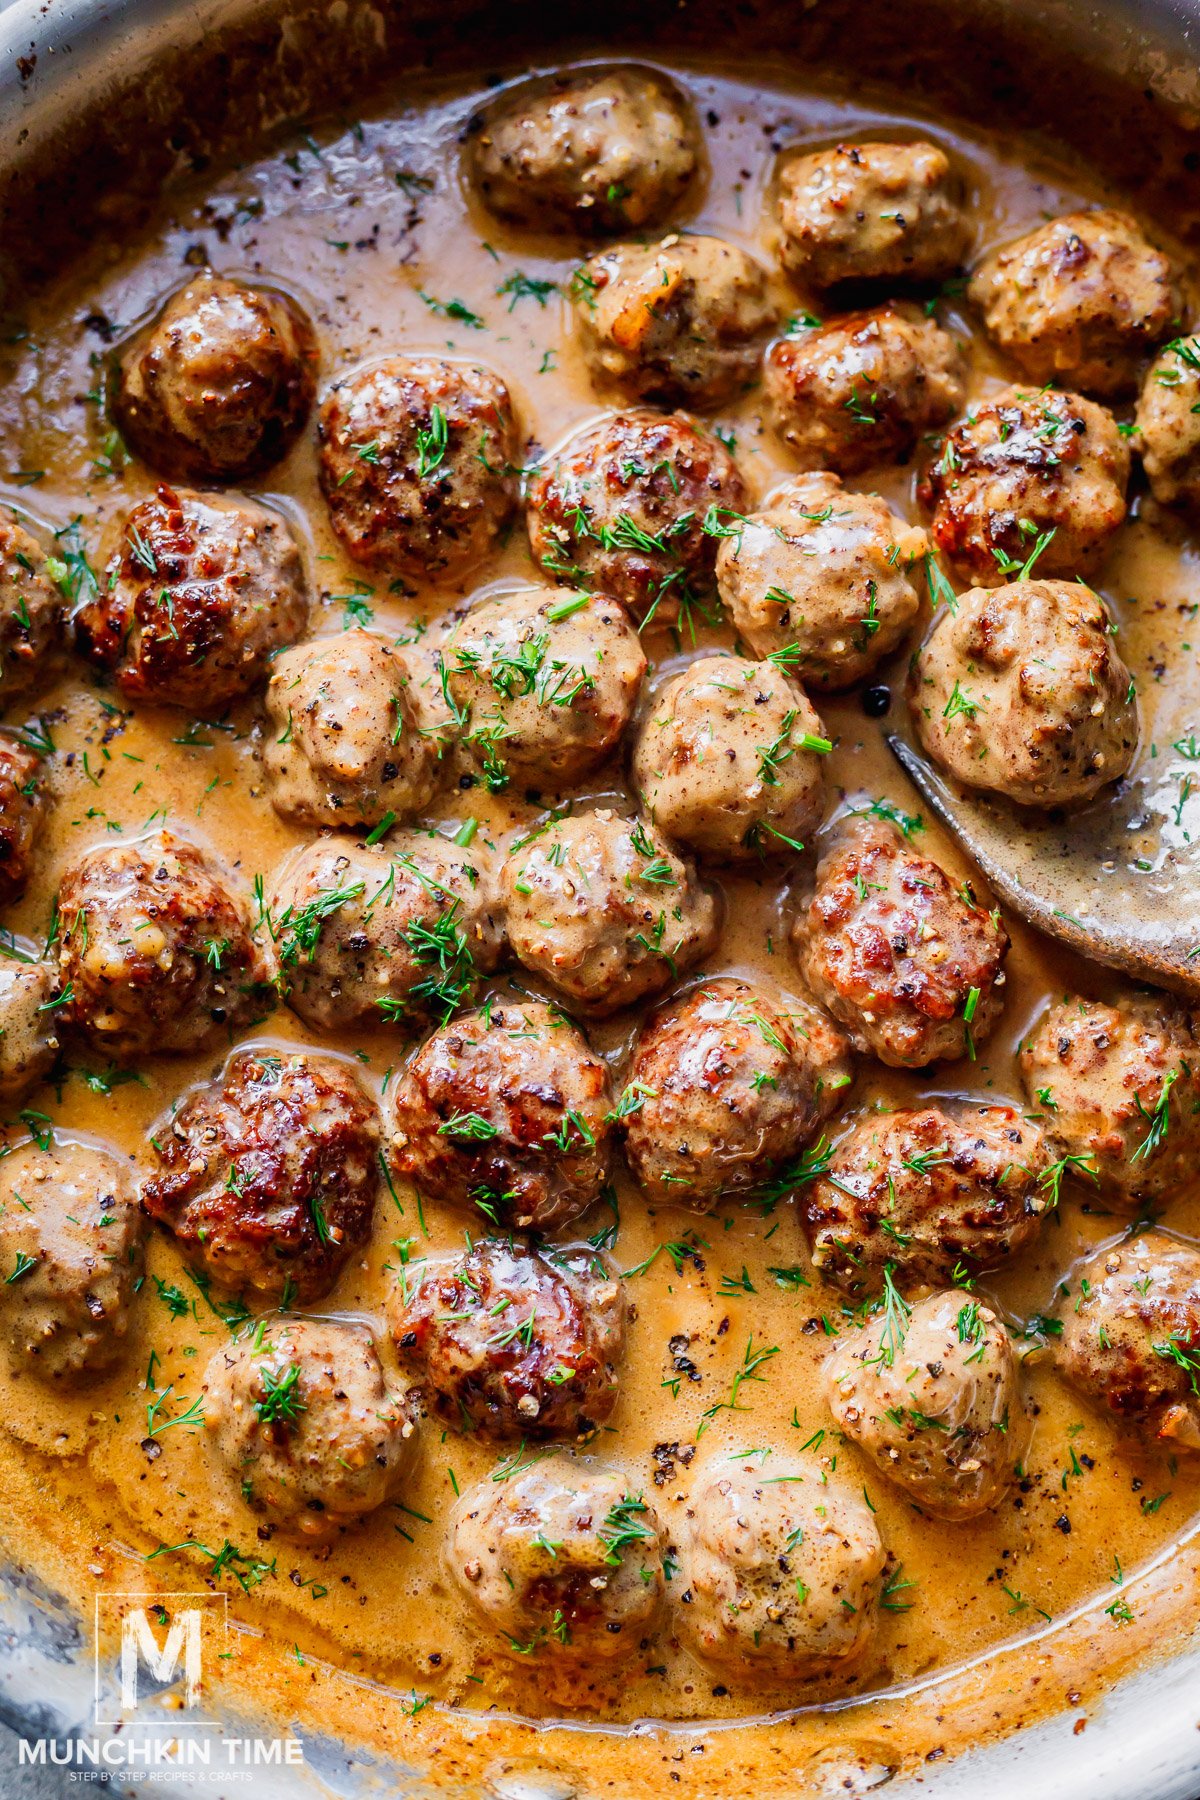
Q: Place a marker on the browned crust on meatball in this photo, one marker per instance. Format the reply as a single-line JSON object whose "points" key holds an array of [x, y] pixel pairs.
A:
{"points": [[870, 212], [31, 612], [22, 814]]}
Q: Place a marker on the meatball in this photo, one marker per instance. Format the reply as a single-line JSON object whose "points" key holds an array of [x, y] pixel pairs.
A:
{"points": [[911, 965], [1168, 425], [728, 761], [628, 506], [602, 909], [1118, 1089], [1021, 691], [1130, 1340], [544, 684], [28, 1024], [586, 150], [31, 613], [199, 595], [929, 1193], [509, 1342], [864, 388], [1080, 300], [562, 1557], [1027, 474], [156, 950], [934, 1399], [345, 745], [725, 1087], [70, 1258], [781, 1569], [304, 1419], [218, 388], [507, 1110], [418, 465], [396, 933], [871, 212], [22, 814], [268, 1175], [682, 321], [819, 580]]}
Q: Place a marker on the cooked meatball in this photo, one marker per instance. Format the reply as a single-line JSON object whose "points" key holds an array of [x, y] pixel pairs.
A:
{"points": [[31, 613], [911, 965], [544, 684], [818, 579], [507, 1111], [345, 745], [418, 465], [1021, 691], [1080, 300], [1025, 473], [781, 1569], [156, 950], [682, 321], [268, 1174], [1168, 424], [864, 388], [929, 1193], [934, 1399], [394, 933], [871, 212], [627, 506], [70, 1258], [562, 1556], [218, 388], [509, 1342], [602, 909], [585, 150], [725, 1087], [199, 595], [304, 1419], [28, 1025], [1118, 1089], [22, 814], [729, 760]]}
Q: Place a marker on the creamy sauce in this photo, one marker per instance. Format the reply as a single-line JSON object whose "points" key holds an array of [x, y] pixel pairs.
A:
{"points": [[359, 222]]}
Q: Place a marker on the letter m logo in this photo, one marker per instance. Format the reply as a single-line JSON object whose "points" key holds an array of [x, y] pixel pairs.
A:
{"points": [[139, 1645]]}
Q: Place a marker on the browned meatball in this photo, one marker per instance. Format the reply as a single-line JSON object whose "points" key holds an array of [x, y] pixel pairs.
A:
{"points": [[872, 212], [1168, 424], [819, 580], [588, 150], [22, 813], [304, 1419], [862, 389], [513, 1343], [268, 1175], [928, 1193], [725, 1088], [70, 1258], [1117, 1086], [682, 321], [544, 684], [911, 965], [31, 612], [28, 1022], [934, 1399], [730, 761], [1080, 300], [1025, 473], [601, 908], [628, 506], [218, 388], [419, 465], [198, 596], [346, 745], [1130, 1339], [156, 951], [394, 933], [507, 1110]]}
